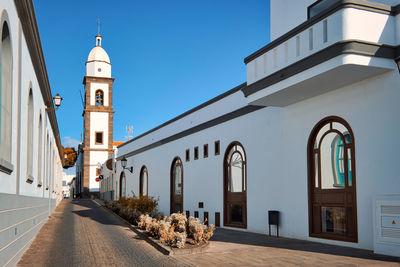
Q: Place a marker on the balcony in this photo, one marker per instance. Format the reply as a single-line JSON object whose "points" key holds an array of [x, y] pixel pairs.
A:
{"points": [[346, 42]]}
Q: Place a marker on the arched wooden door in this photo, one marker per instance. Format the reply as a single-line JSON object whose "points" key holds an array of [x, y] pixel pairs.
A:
{"points": [[176, 186], [143, 183], [332, 181], [235, 186], [122, 186]]}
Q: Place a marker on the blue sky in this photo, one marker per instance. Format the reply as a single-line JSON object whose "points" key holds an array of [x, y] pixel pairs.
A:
{"points": [[167, 56]]}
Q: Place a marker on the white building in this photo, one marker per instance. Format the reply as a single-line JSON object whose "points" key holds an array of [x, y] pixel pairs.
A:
{"points": [[312, 133], [67, 180], [30, 149]]}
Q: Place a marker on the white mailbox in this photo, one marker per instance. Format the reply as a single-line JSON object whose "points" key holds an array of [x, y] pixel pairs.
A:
{"points": [[387, 225]]}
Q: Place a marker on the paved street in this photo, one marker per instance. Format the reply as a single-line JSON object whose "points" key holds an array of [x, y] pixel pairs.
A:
{"points": [[79, 233]]}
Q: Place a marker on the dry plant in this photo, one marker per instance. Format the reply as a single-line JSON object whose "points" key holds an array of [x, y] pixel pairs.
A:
{"points": [[144, 220], [178, 221], [198, 230]]}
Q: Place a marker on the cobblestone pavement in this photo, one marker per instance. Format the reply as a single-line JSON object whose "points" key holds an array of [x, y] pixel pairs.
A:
{"points": [[79, 233]]}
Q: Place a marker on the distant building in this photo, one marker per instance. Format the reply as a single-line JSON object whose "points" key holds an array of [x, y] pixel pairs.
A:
{"points": [[66, 183], [31, 155], [312, 133]]}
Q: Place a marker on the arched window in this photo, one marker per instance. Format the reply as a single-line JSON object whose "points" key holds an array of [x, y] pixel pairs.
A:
{"points": [[52, 166], [176, 185], [122, 186], [29, 134], [144, 180], [332, 185], [46, 177], [5, 95], [40, 151], [235, 186], [99, 98]]}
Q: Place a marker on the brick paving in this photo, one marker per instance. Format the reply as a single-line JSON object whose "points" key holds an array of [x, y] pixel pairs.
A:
{"points": [[79, 233], [236, 248]]}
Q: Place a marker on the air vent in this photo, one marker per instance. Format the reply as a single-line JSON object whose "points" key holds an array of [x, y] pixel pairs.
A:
{"points": [[390, 209], [387, 223]]}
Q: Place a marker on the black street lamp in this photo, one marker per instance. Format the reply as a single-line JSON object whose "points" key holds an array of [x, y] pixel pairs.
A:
{"points": [[124, 161], [57, 102]]}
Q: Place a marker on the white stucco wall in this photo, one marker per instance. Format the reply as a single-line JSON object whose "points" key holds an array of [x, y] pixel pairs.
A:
{"points": [[212, 111], [24, 206], [287, 14], [96, 159], [275, 142], [92, 69], [28, 81], [344, 25], [99, 123]]}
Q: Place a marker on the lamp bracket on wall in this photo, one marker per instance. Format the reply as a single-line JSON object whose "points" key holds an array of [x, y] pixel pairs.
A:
{"points": [[124, 161]]}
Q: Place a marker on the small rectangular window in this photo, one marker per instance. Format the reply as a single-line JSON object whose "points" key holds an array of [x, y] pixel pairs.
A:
{"points": [[325, 31], [265, 63], [216, 147], [217, 219], [99, 138], [196, 214], [297, 46], [255, 68], [286, 52], [196, 152], [187, 154], [205, 150]]}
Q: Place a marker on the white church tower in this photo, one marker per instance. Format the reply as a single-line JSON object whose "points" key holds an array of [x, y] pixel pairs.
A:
{"points": [[98, 116]]}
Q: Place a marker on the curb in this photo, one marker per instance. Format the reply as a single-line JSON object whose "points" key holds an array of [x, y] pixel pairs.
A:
{"points": [[166, 250]]}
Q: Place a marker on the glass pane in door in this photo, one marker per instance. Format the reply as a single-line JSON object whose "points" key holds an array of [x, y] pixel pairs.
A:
{"points": [[333, 220], [237, 213]]}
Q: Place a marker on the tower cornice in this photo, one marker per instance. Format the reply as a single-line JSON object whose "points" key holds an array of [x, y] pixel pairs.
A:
{"points": [[98, 79]]}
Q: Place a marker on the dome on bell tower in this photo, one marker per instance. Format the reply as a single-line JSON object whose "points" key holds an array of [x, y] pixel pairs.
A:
{"points": [[98, 62]]}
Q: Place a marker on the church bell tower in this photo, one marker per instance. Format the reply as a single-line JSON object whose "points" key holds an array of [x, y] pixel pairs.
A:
{"points": [[98, 116]]}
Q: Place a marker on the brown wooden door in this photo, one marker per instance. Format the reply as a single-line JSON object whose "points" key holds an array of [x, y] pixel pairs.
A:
{"points": [[332, 183], [177, 186], [235, 188]]}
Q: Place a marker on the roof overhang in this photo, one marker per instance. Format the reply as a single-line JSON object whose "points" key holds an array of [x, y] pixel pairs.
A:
{"points": [[341, 64]]}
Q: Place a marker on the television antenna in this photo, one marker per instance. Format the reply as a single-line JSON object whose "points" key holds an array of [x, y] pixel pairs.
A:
{"points": [[129, 131]]}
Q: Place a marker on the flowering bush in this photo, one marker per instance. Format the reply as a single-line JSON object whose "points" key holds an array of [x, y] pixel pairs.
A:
{"points": [[175, 229], [144, 220], [171, 230], [198, 230], [178, 221], [131, 208]]}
